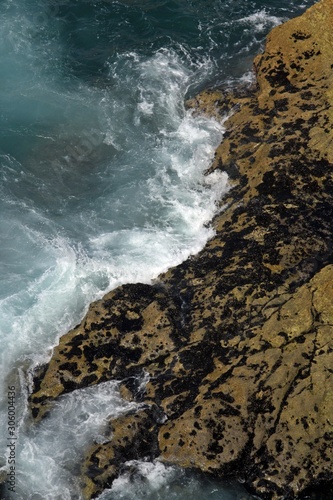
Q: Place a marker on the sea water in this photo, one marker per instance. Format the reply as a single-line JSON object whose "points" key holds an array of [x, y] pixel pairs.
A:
{"points": [[101, 183]]}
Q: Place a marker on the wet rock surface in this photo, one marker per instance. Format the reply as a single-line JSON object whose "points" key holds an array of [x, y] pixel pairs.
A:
{"points": [[237, 341]]}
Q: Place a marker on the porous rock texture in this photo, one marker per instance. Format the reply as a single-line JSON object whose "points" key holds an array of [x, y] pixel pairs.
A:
{"points": [[237, 341]]}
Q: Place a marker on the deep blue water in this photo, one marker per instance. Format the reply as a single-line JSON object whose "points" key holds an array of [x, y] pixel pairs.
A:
{"points": [[101, 183]]}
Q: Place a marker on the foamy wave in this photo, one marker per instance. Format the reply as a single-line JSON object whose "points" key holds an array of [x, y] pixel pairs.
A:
{"points": [[136, 211], [260, 21], [142, 480], [82, 417]]}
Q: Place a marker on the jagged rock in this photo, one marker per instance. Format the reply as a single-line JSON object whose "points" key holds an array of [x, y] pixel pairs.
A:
{"points": [[238, 339]]}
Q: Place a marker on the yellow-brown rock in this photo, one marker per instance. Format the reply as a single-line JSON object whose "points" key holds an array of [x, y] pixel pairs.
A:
{"points": [[238, 340]]}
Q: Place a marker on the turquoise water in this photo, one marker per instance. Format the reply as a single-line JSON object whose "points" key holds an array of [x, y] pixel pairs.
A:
{"points": [[101, 183]]}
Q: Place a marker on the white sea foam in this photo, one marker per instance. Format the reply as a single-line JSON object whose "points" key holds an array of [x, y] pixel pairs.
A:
{"points": [[83, 417], [260, 21], [145, 107], [142, 479], [130, 218]]}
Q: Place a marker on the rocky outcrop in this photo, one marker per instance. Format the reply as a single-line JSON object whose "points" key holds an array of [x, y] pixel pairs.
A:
{"points": [[237, 341]]}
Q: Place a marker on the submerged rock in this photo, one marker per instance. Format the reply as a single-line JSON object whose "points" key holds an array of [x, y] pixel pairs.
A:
{"points": [[236, 342]]}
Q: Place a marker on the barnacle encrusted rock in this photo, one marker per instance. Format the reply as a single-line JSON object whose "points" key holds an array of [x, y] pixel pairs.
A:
{"points": [[237, 341]]}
